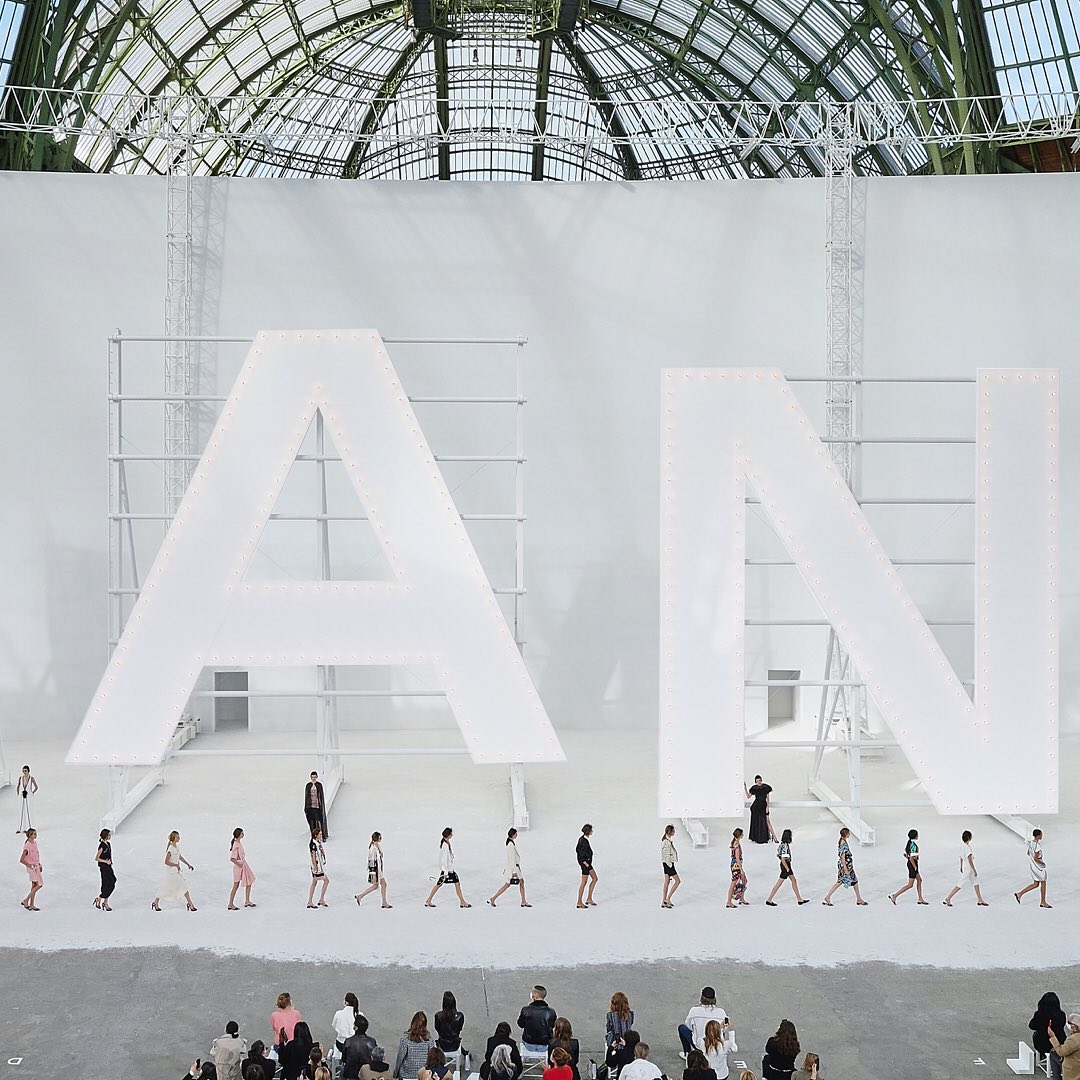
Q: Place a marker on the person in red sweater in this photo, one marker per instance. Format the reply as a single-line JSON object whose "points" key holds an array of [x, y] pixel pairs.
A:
{"points": [[560, 1067]]}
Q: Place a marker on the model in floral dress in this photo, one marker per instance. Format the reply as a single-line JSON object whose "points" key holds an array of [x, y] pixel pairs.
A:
{"points": [[845, 871], [737, 888]]}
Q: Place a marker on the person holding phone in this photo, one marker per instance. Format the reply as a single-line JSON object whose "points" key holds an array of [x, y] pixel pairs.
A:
{"points": [[1068, 1052], [811, 1068]]}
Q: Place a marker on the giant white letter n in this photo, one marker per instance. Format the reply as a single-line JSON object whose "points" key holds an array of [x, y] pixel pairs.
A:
{"points": [[723, 429], [196, 609]]}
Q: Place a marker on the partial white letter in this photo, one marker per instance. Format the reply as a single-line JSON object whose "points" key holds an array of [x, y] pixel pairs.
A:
{"points": [[195, 608], [722, 429]]}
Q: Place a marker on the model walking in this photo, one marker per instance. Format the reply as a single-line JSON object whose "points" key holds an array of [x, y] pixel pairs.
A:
{"points": [[911, 859], [242, 874], [968, 873], [318, 868], [737, 888], [447, 873], [845, 871], [375, 876], [315, 805], [512, 874], [174, 885], [669, 863], [103, 858], [761, 830], [1038, 869], [31, 859], [783, 853], [25, 789], [584, 854]]}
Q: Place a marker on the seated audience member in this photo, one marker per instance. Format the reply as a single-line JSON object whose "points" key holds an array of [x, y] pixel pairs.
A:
{"points": [[358, 1048], [377, 1068], [559, 1069], [253, 1072], [502, 1038], [449, 1021], [537, 1022], [563, 1035], [719, 1041], [284, 1018], [228, 1051], [435, 1067], [344, 1022], [619, 1056], [202, 1070], [809, 1070], [294, 1054], [322, 1073], [620, 1019], [697, 1067], [314, 1062], [641, 1068], [502, 1065], [413, 1049], [780, 1053], [692, 1029], [257, 1057], [747, 1074]]}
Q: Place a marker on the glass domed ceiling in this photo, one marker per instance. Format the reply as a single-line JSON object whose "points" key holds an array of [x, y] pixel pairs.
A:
{"points": [[359, 88]]}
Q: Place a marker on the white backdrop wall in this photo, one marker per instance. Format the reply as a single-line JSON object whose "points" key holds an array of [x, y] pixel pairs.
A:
{"points": [[609, 283]]}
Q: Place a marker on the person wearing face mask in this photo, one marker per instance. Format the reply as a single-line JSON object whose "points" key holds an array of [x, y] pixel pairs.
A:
{"points": [[1069, 1050]]}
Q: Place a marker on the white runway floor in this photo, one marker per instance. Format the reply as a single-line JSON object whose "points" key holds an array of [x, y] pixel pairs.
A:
{"points": [[609, 783]]}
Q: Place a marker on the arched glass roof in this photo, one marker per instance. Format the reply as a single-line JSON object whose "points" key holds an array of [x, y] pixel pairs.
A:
{"points": [[305, 76]]}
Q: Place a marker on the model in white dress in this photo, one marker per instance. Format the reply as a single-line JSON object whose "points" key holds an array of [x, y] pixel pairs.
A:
{"points": [[376, 877], [174, 885], [968, 874], [1037, 867], [447, 873], [512, 874]]}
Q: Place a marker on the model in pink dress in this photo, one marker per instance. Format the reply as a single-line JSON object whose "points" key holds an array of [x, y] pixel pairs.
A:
{"points": [[241, 872], [31, 859]]}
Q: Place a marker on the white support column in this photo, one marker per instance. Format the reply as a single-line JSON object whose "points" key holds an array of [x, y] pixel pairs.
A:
{"points": [[517, 770]]}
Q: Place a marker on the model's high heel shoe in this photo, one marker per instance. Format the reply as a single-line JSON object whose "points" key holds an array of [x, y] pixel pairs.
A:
{"points": [[97, 902], [191, 906], [105, 905], [154, 905]]}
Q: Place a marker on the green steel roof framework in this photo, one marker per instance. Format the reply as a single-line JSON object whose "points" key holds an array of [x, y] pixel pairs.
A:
{"points": [[298, 61]]}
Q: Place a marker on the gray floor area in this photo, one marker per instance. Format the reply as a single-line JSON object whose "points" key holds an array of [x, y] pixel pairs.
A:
{"points": [[147, 1013]]}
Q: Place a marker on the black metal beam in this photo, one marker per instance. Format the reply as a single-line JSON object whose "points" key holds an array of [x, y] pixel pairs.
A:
{"points": [[543, 76], [442, 104]]}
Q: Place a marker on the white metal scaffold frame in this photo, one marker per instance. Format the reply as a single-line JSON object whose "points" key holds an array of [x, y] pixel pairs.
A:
{"points": [[124, 579]]}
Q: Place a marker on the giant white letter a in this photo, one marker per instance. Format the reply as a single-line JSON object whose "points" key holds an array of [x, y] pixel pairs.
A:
{"points": [[195, 608], [722, 429]]}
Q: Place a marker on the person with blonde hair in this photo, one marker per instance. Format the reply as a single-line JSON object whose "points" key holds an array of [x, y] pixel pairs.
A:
{"points": [[669, 859], [620, 1019], [174, 885], [322, 1073], [284, 1018], [31, 860], [748, 1074]]}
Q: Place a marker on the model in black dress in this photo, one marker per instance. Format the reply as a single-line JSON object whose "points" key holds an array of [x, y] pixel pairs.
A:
{"points": [[108, 877], [584, 855], [761, 830]]}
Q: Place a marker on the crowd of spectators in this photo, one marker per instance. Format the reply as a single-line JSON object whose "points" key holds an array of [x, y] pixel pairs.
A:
{"points": [[546, 1047]]}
